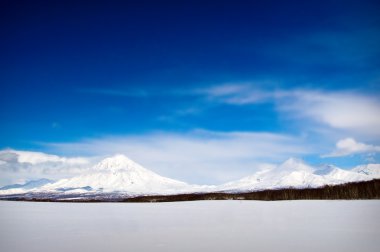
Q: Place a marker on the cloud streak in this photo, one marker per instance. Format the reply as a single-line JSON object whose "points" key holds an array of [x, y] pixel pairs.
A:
{"points": [[352, 113], [238, 94], [349, 112], [342, 110]]}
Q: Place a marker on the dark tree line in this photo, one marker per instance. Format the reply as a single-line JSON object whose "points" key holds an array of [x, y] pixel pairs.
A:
{"points": [[349, 191]]}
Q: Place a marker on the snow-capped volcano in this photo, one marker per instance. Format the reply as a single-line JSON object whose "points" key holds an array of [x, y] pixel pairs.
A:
{"points": [[119, 174]]}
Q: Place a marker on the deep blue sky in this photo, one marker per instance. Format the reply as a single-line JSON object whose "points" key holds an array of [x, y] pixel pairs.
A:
{"points": [[73, 70]]}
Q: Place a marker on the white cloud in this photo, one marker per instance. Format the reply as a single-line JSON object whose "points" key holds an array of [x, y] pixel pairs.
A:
{"points": [[39, 157], [348, 111], [349, 146], [340, 110], [16, 165], [198, 156]]}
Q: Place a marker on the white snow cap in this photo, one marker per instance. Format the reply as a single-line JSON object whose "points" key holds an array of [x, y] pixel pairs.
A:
{"points": [[294, 164], [116, 163]]}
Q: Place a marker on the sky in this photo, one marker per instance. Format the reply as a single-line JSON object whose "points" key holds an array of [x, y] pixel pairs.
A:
{"points": [[200, 91]]}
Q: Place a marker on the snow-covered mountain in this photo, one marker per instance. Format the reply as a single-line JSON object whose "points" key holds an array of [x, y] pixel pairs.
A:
{"points": [[121, 175], [22, 188], [372, 170], [29, 184], [296, 174]]}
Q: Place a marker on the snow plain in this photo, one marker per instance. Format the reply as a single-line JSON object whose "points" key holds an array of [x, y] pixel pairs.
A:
{"points": [[191, 226]]}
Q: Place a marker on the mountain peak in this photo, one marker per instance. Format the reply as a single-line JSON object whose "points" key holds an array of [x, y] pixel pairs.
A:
{"points": [[293, 160], [294, 164], [116, 163]]}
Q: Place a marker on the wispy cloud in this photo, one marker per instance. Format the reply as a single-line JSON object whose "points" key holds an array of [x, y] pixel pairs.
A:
{"points": [[344, 110], [340, 110], [238, 94], [350, 146], [37, 158]]}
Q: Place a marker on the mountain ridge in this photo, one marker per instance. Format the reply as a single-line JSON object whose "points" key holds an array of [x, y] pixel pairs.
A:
{"points": [[120, 175]]}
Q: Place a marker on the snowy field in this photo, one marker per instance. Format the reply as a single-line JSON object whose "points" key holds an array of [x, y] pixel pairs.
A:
{"points": [[191, 226]]}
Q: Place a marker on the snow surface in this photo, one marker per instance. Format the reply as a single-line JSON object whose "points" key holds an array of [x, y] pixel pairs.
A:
{"points": [[119, 174], [347, 226]]}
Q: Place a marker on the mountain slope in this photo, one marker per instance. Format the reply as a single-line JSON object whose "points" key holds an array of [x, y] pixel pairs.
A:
{"points": [[296, 174], [372, 170]]}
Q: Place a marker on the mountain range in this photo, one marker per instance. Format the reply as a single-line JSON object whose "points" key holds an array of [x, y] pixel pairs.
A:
{"points": [[119, 175]]}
